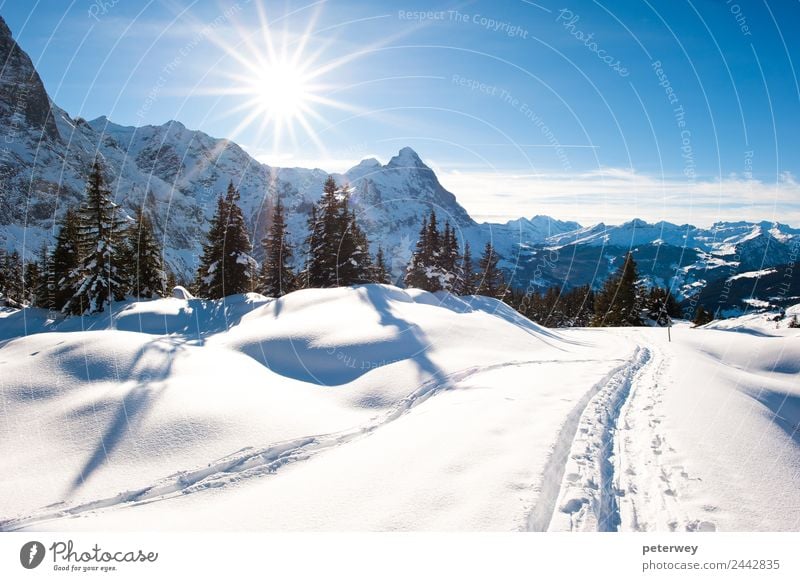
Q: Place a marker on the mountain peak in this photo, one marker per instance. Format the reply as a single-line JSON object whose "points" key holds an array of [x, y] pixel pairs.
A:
{"points": [[406, 157], [5, 31], [23, 91], [369, 162]]}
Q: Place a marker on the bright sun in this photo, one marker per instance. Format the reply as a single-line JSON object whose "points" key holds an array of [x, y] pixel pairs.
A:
{"points": [[277, 80], [281, 91]]}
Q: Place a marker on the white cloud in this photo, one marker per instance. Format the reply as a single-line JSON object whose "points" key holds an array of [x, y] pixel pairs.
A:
{"points": [[614, 195]]}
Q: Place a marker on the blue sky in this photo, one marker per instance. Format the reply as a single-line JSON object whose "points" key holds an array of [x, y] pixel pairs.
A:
{"points": [[592, 111]]}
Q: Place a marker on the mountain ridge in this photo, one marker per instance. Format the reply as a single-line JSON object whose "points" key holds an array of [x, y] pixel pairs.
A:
{"points": [[177, 173]]}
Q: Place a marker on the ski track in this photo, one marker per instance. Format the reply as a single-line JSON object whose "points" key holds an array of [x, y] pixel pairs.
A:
{"points": [[539, 517], [587, 493], [252, 462], [648, 484]]}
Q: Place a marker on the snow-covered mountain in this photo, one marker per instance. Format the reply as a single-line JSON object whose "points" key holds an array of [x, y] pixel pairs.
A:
{"points": [[685, 257], [178, 173]]}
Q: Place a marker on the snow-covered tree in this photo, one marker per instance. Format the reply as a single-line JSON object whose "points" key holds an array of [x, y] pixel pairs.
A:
{"points": [[433, 265], [98, 279], [226, 264], [276, 277], [353, 260], [337, 250]]}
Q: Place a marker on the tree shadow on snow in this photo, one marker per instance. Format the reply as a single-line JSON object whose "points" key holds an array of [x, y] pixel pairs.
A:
{"points": [[133, 408], [306, 360]]}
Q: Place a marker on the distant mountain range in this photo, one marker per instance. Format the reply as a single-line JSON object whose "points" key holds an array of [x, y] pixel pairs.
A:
{"points": [[46, 154]]}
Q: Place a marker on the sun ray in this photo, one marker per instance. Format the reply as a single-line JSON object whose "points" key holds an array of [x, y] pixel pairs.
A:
{"points": [[278, 79]]}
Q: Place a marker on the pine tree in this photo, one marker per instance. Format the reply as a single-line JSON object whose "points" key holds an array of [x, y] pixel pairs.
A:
{"points": [[353, 261], [618, 304], [467, 282], [433, 255], [433, 264], [323, 240], [98, 279], [415, 272], [337, 247], [65, 260], [171, 281], [450, 259], [276, 277], [147, 278], [237, 264], [661, 306], [491, 283], [226, 265], [209, 281], [13, 290], [380, 272], [31, 283], [43, 293], [3, 276], [311, 274], [702, 317]]}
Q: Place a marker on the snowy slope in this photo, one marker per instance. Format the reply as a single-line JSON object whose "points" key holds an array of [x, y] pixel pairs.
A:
{"points": [[374, 408], [384, 391]]}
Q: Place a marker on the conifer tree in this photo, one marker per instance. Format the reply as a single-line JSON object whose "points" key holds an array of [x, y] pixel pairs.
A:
{"points": [[337, 247], [491, 283], [209, 282], [380, 272], [618, 302], [450, 259], [3, 274], [353, 261], [11, 281], [65, 260], [276, 277], [147, 278], [433, 265], [415, 273], [43, 292], [323, 240], [31, 283], [237, 264], [661, 306], [312, 271], [226, 265], [467, 281], [98, 280], [702, 316]]}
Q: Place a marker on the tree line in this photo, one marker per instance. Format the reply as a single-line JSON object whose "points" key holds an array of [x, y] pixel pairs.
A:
{"points": [[623, 300], [99, 257]]}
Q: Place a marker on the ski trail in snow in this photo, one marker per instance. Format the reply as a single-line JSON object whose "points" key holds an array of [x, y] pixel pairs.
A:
{"points": [[539, 517], [253, 462], [648, 480], [587, 495]]}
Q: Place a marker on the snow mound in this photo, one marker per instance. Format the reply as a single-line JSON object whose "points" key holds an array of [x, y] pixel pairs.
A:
{"points": [[173, 396]]}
